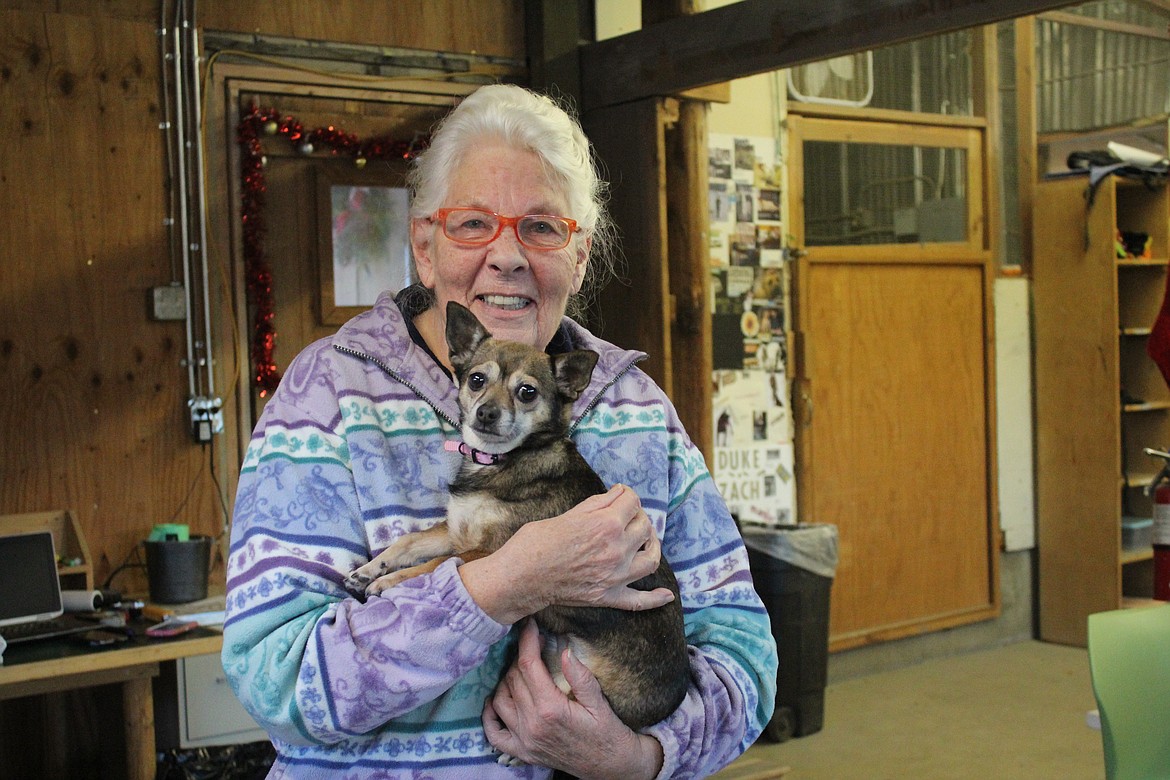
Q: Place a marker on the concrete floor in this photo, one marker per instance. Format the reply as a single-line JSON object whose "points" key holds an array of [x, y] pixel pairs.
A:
{"points": [[1016, 712]]}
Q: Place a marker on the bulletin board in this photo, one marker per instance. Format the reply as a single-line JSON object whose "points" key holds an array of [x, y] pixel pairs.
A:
{"points": [[751, 311]]}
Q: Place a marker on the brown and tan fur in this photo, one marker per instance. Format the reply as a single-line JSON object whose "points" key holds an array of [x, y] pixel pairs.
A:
{"points": [[517, 400]]}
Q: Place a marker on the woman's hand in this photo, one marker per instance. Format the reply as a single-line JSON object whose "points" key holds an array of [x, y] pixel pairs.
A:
{"points": [[531, 719], [585, 557]]}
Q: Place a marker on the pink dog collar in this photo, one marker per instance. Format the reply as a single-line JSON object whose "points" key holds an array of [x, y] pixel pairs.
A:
{"points": [[472, 454]]}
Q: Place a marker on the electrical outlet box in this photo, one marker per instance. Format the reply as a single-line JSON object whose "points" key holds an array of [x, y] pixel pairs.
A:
{"points": [[206, 418], [168, 302]]}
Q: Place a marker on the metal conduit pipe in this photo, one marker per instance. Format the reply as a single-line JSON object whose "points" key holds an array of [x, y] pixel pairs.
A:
{"points": [[181, 187], [199, 192]]}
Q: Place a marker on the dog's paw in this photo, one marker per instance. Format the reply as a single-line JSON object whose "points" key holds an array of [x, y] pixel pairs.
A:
{"points": [[355, 582], [362, 576], [387, 581]]}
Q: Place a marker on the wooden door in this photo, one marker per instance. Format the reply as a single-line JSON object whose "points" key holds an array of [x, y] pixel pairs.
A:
{"points": [[893, 395]]}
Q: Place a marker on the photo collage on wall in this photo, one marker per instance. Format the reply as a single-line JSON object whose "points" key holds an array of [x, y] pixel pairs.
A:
{"points": [[754, 453]]}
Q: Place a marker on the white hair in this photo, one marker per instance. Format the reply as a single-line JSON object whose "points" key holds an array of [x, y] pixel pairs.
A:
{"points": [[531, 122]]}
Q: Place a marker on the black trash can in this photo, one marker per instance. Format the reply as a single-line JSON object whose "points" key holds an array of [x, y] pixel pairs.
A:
{"points": [[176, 570], [793, 569]]}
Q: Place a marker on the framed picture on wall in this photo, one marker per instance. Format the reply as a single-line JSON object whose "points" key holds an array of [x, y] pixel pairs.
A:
{"points": [[363, 230]]}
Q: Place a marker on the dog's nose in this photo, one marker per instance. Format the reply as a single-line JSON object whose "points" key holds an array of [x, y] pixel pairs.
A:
{"points": [[487, 414]]}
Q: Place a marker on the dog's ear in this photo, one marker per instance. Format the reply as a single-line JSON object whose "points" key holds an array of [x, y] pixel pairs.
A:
{"points": [[464, 334], [573, 370]]}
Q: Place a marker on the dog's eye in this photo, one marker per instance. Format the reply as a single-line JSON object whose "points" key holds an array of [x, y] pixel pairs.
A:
{"points": [[476, 380], [526, 393]]}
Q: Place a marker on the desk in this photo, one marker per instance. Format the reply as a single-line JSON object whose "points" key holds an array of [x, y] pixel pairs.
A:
{"points": [[35, 668]]}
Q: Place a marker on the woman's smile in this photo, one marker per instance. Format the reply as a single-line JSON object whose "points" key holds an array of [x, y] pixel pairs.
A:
{"points": [[506, 302]]}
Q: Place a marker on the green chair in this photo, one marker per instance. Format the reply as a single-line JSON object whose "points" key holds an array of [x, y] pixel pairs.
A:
{"points": [[1129, 661]]}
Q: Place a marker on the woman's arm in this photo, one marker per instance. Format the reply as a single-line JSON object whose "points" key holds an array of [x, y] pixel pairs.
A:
{"points": [[310, 662], [730, 698], [732, 651], [585, 557]]}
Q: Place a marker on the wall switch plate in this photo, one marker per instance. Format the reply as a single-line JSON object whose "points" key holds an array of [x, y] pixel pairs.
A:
{"points": [[168, 302]]}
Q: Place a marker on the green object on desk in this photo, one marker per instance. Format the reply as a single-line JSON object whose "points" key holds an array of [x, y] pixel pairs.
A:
{"points": [[175, 532]]}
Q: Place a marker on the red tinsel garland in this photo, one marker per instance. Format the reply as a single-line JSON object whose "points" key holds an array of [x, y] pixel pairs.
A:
{"points": [[258, 276]]}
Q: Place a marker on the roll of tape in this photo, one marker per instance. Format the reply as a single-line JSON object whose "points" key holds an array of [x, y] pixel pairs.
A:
{"points": [[81, 600]]}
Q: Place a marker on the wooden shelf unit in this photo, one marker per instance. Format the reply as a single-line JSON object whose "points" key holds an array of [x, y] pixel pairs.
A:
{"points": [[1092, 313]]}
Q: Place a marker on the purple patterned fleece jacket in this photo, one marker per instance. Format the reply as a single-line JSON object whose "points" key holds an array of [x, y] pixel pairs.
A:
{"points": [[347, 456]]}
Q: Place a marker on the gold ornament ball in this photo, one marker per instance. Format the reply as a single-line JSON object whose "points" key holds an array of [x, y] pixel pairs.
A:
{"points": [[270, 127], [360, 162]]}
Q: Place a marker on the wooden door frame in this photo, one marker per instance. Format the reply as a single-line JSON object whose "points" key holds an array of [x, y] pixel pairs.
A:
{"points": [[971, 135], [226, 82]]}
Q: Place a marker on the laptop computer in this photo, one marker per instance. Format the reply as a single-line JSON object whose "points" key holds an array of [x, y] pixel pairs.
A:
{"points": [[30, 591]]}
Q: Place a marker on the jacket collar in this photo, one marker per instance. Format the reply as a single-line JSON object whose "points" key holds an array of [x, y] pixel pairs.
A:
{"points": [[381, 335]]}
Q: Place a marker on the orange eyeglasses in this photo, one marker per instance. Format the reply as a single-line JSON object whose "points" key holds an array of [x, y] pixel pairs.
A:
{"points": [[478, 227]]}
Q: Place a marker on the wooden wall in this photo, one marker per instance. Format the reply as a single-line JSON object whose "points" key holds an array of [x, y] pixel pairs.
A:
{"points": [[93, 393]]}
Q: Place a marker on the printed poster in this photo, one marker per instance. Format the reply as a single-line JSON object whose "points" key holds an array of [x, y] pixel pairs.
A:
{"points": [[754, 465]]}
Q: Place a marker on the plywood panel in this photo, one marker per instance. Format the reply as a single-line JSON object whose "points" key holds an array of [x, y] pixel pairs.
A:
{"points": [[1013, 353], [407, 115], [100, 388], [1078, 443], [494, 28], [899, 441], [291, 203], [94, 410], [1080, 351]]}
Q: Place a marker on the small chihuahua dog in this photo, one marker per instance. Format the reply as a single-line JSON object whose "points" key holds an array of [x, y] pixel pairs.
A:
{"points": [[519, 466]]}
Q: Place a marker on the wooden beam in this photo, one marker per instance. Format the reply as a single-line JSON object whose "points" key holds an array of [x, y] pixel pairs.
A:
{"points": [[688, 256], [712, 93], [985, 81], [687, 251], [553, 36], [1025, 44], [635, 312], [1160, 33], [756, 36]]}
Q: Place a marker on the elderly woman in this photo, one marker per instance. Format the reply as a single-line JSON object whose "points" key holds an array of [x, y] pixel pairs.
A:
{"points": [[437, 676]]}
